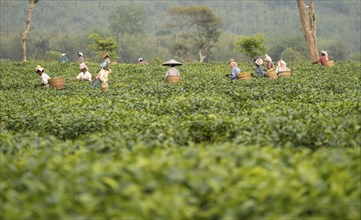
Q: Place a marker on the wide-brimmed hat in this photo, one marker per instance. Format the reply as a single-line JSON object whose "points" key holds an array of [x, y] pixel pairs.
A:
{"points": [[171, 62], [39, 68], [106, 55], [63, 54]]}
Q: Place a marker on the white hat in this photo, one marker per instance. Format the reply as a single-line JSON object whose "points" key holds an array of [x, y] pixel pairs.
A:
{"points": [[63, 54], [80, 53], [140, 59], [258, 62], [83, 66]]}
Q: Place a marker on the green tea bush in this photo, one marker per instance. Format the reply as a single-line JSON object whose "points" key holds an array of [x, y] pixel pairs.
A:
{"points": [[204, 148]]}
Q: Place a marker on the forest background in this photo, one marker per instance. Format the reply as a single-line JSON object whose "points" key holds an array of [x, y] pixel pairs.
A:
{"points": [[64, 27]]}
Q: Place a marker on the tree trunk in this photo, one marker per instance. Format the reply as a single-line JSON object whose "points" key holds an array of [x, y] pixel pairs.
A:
{"points": [[201, 56], [27, 29], [308, 23]]}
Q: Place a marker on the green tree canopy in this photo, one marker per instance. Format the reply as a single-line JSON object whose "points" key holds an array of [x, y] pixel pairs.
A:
{"points": [[127, 19], [252, 46], [199, 23], [100, 46]]}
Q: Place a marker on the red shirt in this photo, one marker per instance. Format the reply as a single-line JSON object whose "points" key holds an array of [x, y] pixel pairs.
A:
{"points": [[322, 60]]}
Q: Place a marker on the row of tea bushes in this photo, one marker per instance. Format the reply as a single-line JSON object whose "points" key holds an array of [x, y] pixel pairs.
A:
{"points": [[310, 109], [205, 148], [46, 178]]}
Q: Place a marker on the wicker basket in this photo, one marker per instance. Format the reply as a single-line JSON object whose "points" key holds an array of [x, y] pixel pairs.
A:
{"points": [[57, 83], [173, 79], [329, 63], [285, 74], [244, 75], [104, 87], [271, 74]]}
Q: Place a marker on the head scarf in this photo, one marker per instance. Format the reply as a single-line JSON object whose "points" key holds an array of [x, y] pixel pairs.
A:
{"points": [[281, 63], [39, 68], [230, 61], [258, 62], [267, 58], [140, 59], [83, 66], [324, 52], [80, 54], [233, 64]]}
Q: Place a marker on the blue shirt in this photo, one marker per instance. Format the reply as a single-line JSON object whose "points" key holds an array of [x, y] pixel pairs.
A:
{"points": [[259, 71], [235, 71], [64, 60], [105, 63]]}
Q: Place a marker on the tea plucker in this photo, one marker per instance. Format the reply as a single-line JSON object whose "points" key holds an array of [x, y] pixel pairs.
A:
{"points": [[259, 70], [101, 78], [323, 59], [235, 69], [84, 74], [81, 58], [172, 71], [269, 63], [44, 78], [281, 66], [64, 58]]}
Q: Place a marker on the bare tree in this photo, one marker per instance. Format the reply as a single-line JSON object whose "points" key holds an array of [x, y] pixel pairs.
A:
{"points": [[27, 29], [308, 23]]}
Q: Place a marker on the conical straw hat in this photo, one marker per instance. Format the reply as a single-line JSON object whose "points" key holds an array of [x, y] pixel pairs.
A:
{"points": [[170, 62]]}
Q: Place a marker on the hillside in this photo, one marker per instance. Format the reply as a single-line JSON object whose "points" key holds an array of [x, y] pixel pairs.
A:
{"points": [[276, 19]]}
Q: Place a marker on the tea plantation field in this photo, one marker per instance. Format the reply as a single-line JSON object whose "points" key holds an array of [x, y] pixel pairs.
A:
{"points": [[205, 148]]}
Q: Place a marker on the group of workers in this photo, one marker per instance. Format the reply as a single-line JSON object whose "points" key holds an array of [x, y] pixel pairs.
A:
{"points": [[269, 66], [260, 70], [101, 79]]}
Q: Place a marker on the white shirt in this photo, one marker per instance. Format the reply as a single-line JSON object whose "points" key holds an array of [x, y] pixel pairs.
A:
{"points": [[44, 78], [172, 72], [84, 76], [103, 75]]}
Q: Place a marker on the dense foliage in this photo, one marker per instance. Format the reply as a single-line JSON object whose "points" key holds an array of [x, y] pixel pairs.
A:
{"points": [[204, 148], [63, 26]]}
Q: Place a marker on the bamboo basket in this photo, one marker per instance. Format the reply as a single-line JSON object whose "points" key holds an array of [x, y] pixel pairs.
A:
{"points": [[271, 74], [244, 75], [285, 74], [173, 79], [57, 83], [330, 63], [104, 87]]}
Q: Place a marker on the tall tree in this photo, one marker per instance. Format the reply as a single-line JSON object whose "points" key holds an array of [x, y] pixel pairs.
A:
{"points": [[27, 29], [100, 46], [252, 45], [201, 22], [127, 19], [308, 23]]}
